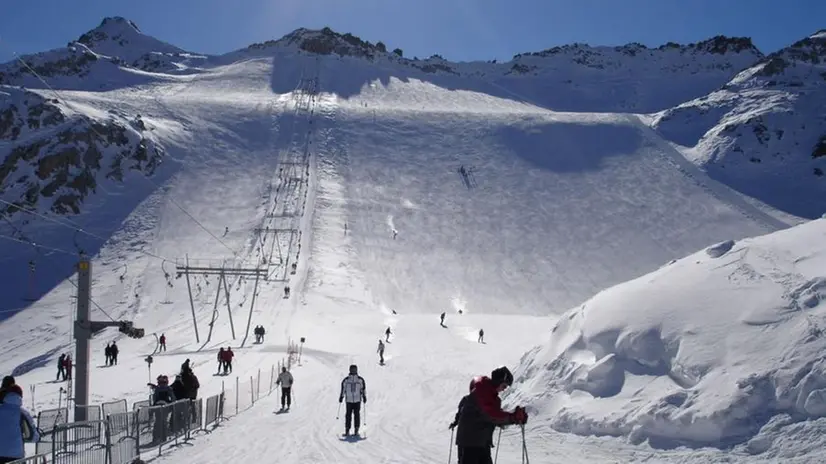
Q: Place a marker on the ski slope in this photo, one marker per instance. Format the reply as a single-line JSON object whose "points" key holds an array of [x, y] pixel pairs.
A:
{"points": [[565, 204]]}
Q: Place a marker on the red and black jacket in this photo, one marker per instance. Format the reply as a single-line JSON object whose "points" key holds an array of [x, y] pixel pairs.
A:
{"points": [[479, 414]]}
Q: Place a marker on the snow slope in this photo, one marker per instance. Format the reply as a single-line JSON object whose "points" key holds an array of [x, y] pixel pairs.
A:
{"points": [[560, 206], [763, 132]]}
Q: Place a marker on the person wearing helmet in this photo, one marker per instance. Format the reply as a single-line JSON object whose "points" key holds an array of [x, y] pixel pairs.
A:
{"points": [[480, 412], [162, 392], [354, 391]]}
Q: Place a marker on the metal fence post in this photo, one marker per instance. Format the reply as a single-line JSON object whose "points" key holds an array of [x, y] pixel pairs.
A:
{"points": [[237, 390], [272, 378], [252, 390]]}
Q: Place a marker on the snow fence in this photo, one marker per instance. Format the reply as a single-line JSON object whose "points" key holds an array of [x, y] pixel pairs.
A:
{"points": [[114, 435]]}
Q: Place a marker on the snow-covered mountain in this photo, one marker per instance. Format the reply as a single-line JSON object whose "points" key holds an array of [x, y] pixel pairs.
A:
{"points": [[578, 77], [115, 54], [400, 189], [54, 157], [765, 130]]}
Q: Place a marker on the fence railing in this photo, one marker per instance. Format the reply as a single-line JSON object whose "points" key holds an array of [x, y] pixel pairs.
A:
{"points": [[122, 436]]}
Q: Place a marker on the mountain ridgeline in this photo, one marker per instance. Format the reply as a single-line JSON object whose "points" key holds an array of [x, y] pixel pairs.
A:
{"points": [[747, 118]]}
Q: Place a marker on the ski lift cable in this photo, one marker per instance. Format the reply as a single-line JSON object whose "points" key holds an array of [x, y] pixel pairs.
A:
{"points": [[92, 127], [59, 251], [29, 242], [76, 229]]}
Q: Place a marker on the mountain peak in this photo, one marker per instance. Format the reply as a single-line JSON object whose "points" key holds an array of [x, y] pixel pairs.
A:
{"points": [[119, 37]]}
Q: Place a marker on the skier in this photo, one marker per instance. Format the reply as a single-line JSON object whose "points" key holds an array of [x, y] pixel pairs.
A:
{"points": [[228, 355], [387, 334], [442, 320], [221, 360], [481, 336], [16, 424], [68, 366], [381, 352], [354, 390], [263, 332], [162, 340], [480, 412], [61, 367], [285, 379], [114, 353], [108, 353]]}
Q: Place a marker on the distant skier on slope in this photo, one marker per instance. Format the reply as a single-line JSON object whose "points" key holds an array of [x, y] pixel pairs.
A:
{"points": [[480, 412], [387, 334], [380, 351], [285, 379], [481, 338], [442, 320], [354, 391]]}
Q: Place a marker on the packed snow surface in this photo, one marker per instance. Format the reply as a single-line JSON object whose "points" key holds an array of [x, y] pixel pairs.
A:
{"points": [[390, 233], [703, 352]]}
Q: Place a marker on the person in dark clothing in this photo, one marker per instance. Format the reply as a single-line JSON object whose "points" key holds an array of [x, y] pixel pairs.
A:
{"points": [[221, 360], [380, 351], [162, 342], [191, 384], [61, 367], [107, 352], [67, 365], [442, 320], [185, 366], [478, 415], [178, 388], [228, 355], [114, 353]]}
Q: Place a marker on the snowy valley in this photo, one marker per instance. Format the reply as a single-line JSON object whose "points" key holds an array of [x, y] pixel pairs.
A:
{"points": [[636, 230]]}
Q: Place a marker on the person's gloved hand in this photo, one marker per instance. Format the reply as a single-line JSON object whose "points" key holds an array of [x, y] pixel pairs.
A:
{"points": [[340, 399], [364, 398], [452, 425], [520, 416]]}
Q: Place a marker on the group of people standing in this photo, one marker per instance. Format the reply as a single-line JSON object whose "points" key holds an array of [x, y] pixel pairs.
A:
{"points": [[225, 360], [111, 352]]}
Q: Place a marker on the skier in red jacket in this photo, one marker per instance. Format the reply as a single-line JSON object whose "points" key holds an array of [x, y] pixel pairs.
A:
{"points": [[479, 414]]}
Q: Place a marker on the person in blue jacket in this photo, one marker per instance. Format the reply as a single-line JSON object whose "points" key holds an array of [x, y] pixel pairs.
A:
{"points": [[16, 424]]}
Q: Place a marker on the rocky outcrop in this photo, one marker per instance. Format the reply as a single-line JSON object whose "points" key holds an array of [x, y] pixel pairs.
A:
{"points": [[55, 161]]}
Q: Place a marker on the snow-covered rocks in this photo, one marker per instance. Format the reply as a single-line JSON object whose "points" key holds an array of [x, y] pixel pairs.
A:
{"points": [[703, 352], [55, 156], [762, 133]]}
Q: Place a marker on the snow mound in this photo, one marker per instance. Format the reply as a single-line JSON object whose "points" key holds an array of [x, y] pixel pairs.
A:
{"points": [[703, 352]]}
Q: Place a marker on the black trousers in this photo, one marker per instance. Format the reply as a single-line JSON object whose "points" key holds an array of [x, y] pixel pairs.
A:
{"points": [[474, 455], [285, 396], [353, 412]]}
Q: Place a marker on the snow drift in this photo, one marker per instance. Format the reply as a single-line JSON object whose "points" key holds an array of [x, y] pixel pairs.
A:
{"points": [[702, 352]]}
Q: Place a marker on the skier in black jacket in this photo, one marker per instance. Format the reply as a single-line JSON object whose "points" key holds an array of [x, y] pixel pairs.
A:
{"points": [[479, 413]]}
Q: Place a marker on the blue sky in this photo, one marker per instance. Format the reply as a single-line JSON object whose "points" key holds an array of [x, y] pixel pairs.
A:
{"points": [[456, 29]]}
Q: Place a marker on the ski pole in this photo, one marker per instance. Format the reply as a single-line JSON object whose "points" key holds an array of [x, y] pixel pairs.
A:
{"points": [[338, 411], [498, 439], [450, 446], [364, 419], [525, 459]]}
